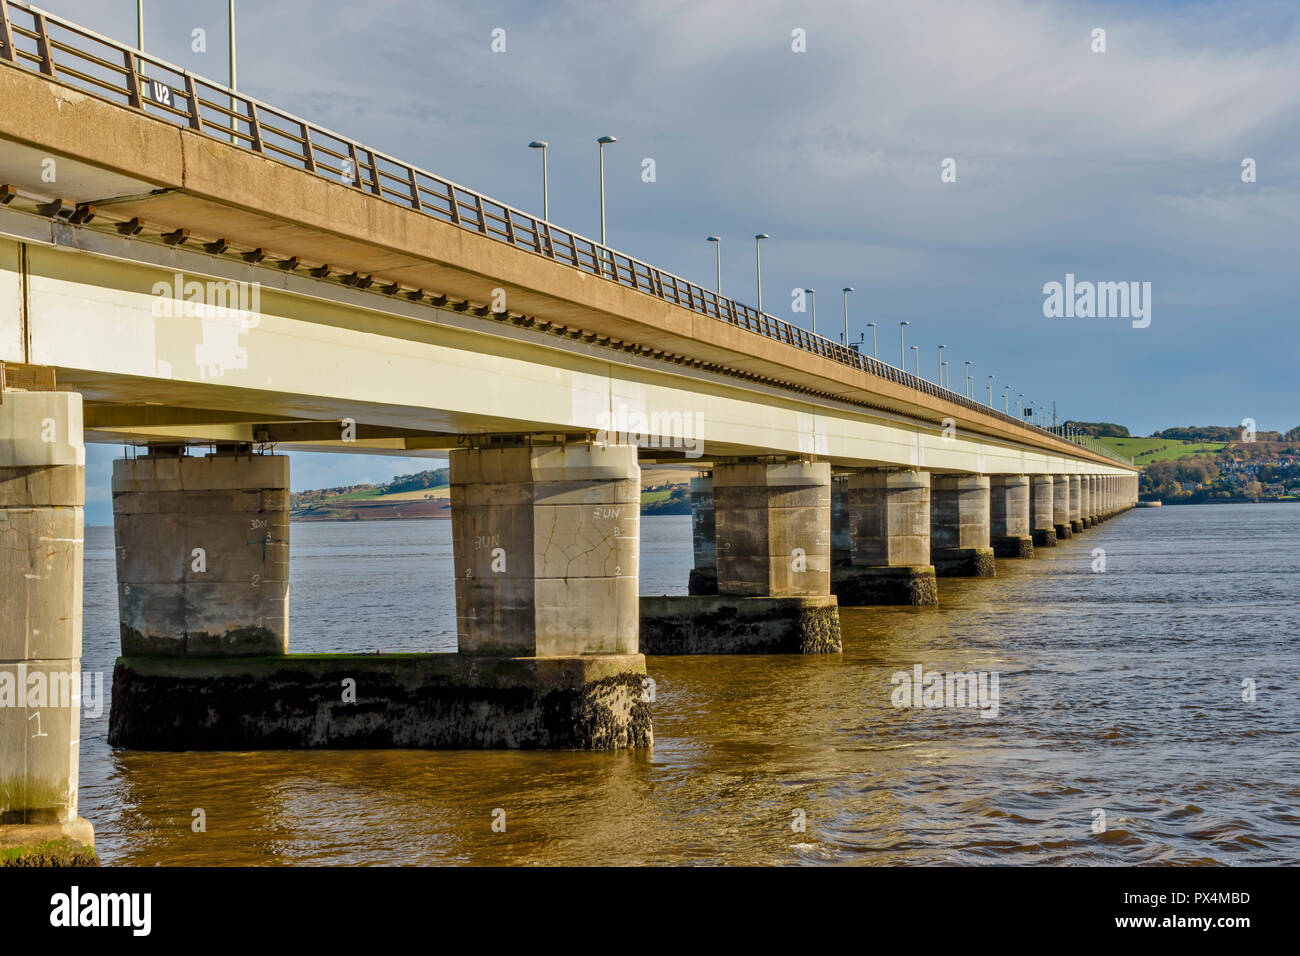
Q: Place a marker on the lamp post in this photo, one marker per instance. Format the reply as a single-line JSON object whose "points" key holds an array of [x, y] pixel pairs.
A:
{"points": [[941, 348], [812, 300], [758, 267], [845, 337], [991, 377], [873, 340], [718, 240], [968, 365], [603, 142], [1006, 400], [231, 21], [546, 203], [943, 374], [916, 360], [902, 352]]}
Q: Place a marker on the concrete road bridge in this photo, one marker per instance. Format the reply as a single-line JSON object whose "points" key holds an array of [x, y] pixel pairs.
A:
{"points": [[208, 279]]}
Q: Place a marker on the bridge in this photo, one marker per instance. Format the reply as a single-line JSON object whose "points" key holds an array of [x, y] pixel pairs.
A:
{"points": [[209, 280]]}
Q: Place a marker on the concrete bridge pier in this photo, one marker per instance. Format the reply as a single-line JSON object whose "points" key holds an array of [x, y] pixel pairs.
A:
{"points": [[959, 526], [202, 546], [773, 553], [1041, 525], [704, 575], [42, 491], [1009, 527], [1076, 504], [545, 545], [885, 520], [841, 546], [1061, 507], [1085, 501], [1094, 499]]}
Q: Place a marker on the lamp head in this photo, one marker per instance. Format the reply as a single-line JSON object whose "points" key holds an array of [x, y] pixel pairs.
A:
{"points": [[715, 238], [538, 144], [607, 139]]}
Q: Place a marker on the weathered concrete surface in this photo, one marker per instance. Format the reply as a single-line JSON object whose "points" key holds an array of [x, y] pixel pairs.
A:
{"points": [[959, 526], [773, 528], [1041, 525], [857, 586], [740, 625], [841, 547], [1061, 495], [885, 515], [445, 701], [546, 545], [1076, 504], [1009, 527], [704, 538], [202, 554], [42, 467]]}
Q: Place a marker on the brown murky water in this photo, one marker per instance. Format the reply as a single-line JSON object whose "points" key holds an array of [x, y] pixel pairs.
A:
{"points": [[1119, 691]]}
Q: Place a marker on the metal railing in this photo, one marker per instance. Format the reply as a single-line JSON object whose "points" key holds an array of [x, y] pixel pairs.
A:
{"points": [[38, 41]]}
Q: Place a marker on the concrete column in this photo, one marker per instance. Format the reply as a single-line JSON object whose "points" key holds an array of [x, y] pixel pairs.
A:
{"points": [[959, 526], [773, 521], [42, 481], [1061, 506], [704, 576], [1085, 501], [1094, 498], [774, 535], [841, 549], [1041, 524], [1076, 504], [546, 547], [202, 553], [887, 525], [1009, 528]]}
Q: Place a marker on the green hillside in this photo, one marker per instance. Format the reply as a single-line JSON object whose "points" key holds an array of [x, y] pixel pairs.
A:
{"points": [[1144, 451]]}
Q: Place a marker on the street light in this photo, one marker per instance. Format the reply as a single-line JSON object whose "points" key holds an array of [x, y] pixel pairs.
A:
{"points": [[872, 325], [902, 352], [941, 348], [845, 337], [968, 365], [1006, 401], [812, 300], [916, 360], [603, 141], [943, 374], [991, 377], [546, 203], [718, 240], [1020, 405], [758, 267]]}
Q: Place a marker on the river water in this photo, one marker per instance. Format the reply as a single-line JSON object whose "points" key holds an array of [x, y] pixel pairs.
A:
{"points": [[1121, 737]]}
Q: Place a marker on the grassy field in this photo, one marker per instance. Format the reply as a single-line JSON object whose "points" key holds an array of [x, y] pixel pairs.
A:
{"points": [[1144, 451]]}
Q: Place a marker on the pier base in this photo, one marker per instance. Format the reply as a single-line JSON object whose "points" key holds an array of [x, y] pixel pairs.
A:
{"points": [[863, 587], [1015, 546], [1044, 537], [703, 581], [964, 563], [342, 701], [711, 624]]}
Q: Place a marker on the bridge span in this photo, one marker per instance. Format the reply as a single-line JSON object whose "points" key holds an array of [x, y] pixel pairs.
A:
{"points": [[208, 280]]}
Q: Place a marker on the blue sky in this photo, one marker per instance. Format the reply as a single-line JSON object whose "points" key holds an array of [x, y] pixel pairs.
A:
{"points": [[1115, 166]]}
